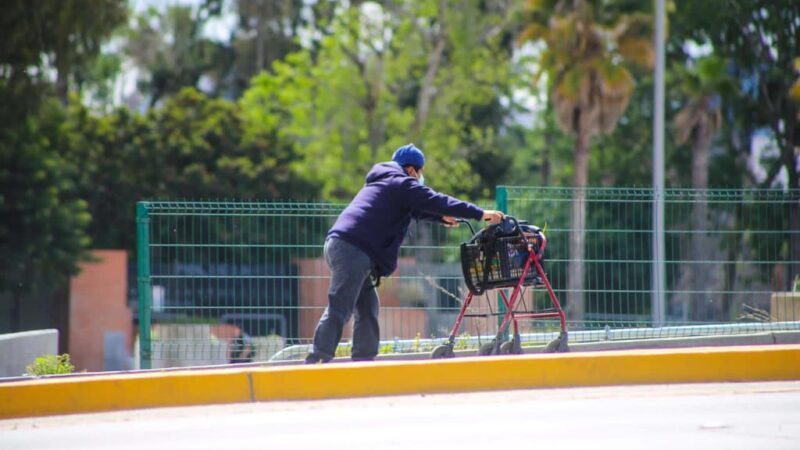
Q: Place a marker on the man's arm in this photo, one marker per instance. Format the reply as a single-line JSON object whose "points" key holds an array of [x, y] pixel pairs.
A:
{"points": [[422, 215], [424, 200]]}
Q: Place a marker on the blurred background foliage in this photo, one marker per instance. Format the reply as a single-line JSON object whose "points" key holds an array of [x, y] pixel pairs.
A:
{"points": [[107, 102]]}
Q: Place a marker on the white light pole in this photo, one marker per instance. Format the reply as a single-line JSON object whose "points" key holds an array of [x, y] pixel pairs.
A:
{"points": [[658, 303]]}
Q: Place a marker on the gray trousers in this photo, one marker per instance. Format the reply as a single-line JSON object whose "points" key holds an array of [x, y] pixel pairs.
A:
{"points": [[350, 292]]}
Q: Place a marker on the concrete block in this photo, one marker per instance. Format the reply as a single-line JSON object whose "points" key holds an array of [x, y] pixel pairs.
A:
{"points": [[17, 350]]}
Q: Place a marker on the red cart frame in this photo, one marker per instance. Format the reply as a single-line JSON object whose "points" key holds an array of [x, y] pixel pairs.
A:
{"points": [[514, 346]]}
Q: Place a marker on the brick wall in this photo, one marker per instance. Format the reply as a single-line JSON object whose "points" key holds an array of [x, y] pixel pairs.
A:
{"points": [[100, 322]]}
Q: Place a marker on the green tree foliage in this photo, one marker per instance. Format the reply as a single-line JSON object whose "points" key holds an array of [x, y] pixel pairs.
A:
{"points": [[266, 33], [204, 149], [64, 35], [759, 38], [704, 87], [193, 147], [76, 29], [337, 86], [43, 220], [794, 91], [415, 71]]}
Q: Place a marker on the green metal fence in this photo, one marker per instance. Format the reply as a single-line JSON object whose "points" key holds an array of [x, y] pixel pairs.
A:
{"points": [[729, 254], [211, 271]]}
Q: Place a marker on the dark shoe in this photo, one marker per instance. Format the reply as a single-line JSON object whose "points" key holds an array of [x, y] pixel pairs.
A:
{"points": [[311, 359]]}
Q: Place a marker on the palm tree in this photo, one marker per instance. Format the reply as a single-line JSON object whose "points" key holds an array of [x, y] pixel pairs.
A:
{"points": [[794, 91], [590, 46], [697, 123]]}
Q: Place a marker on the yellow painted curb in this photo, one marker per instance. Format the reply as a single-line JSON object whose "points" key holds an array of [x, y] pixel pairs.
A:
{"points": [[115, 392], [716, 364]]}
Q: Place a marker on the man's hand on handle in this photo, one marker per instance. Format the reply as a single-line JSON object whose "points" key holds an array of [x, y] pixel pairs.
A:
{"points": [[492, 216], [449, 221], [488, 215]]}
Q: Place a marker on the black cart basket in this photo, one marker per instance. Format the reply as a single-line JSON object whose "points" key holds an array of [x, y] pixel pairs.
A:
{"points": [[495, 256], [504, 255]]}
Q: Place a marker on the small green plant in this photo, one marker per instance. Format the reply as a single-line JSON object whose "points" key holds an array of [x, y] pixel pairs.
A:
{"points": [[386, 349], [461, 342], [50, 365], [344, 351], [428, 346], [416, 345]]}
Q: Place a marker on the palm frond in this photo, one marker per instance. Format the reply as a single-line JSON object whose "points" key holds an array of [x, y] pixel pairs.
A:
{"points": [[794, 91], [639, 52]]}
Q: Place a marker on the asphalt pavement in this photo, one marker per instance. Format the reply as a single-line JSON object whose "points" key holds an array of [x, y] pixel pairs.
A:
{"points": [[689, 416]]}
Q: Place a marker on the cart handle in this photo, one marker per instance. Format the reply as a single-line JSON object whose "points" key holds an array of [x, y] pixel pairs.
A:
{"points": [[506, 219], [471, 229]]}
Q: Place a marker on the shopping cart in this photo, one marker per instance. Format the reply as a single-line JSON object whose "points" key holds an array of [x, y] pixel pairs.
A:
{"points": [[505, 255]]}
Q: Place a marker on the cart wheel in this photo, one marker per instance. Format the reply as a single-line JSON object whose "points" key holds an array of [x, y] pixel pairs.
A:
{"points": [[511, 347], [558, 345], [443, 351], [486, 349]]}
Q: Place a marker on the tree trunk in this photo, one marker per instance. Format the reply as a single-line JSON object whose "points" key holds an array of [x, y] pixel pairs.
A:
{"points": [[62, 83], [548, 144], [372, 128], [794, 238], [260, 37], [730, 283], [790, 162], [16, 312], [702, 306], [575, 296], [428, 88], [375, 121]]}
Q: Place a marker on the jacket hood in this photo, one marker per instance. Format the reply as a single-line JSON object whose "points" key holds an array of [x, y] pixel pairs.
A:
{"points": [[385, 170]]}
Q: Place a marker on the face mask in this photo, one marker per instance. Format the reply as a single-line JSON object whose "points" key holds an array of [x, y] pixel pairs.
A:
{"points": [[422, 180]]}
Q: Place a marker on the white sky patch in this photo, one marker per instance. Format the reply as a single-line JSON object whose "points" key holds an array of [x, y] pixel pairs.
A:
{"points": [[532, 98], [217, 28], [373, 25], [696, 50], [763, 145], [220, 28]]}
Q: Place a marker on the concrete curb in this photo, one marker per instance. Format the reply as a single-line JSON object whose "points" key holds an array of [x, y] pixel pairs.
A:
{"points": [[117, 392], [185, 388], [767, 338]]}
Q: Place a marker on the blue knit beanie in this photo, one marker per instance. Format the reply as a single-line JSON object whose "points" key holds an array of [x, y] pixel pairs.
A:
{"points": [[409, 155]]}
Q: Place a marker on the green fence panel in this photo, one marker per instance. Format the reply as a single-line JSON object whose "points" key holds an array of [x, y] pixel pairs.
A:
{"points": [[209, 271], [728, 254]]}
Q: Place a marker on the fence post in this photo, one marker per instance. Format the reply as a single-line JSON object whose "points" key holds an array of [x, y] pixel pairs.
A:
{"points": [[501, 197], [145, 289]]}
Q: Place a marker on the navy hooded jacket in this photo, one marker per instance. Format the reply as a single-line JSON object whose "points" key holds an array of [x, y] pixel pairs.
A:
{"points": [[377, 219]]}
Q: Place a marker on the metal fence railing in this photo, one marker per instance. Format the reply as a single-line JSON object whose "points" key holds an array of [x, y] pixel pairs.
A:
{"points": [[210, 271], [731, 255]]}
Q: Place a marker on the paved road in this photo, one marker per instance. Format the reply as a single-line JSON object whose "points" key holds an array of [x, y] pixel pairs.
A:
{"points": [[707, 416]]}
